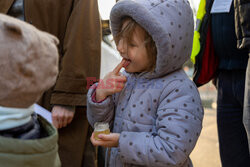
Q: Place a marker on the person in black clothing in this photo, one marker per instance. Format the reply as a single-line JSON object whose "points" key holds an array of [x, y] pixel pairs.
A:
{"points": [[228, 47], [230, 85]]}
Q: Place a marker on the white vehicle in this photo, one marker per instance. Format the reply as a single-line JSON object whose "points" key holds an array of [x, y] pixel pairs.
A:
{"points": [[110, 57]]}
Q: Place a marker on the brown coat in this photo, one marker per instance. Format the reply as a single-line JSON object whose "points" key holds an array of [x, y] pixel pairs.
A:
{"points": [[76, 23]]}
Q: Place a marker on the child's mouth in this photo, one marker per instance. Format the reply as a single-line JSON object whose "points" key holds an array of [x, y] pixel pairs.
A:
{"points": [[127, 62]]}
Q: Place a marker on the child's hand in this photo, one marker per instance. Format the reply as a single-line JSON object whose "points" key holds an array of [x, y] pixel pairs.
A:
{"points": [[110, 140], [112, 83]]}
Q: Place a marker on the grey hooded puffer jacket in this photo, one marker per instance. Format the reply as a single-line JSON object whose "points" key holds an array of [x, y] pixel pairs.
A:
{"points": [[158, 114]]}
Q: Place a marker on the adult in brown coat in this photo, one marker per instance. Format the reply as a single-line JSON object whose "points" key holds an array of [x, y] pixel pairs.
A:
{"points": [[76, 24]]}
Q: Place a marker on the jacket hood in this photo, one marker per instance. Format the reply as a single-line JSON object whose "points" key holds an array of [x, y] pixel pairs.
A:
{"points": [[169, 22]]}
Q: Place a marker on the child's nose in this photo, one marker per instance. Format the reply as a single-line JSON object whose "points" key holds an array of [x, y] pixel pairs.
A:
{"points": [[120, 46]]}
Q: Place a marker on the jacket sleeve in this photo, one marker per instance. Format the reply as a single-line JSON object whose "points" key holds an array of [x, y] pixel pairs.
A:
{"points": [[242, 23], [99, 112], [81, 54], [177, 127]]}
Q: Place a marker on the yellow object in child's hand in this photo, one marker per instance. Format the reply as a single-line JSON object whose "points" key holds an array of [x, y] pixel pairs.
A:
{"points": [[101, 128]]}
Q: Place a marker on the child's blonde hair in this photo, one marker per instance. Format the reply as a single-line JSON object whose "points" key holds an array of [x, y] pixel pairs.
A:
{"points": [[128, 33]]}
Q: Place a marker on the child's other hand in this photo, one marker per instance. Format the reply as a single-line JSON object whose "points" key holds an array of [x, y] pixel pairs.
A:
{"points": [[110, 140], [112, 83]]}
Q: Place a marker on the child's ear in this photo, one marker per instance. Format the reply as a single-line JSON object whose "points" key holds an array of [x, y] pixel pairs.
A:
{"points": [[13, 28]]}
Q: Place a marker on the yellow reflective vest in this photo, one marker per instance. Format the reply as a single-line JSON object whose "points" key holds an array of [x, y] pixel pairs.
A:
{"points": [[196, 43], [203, 55]]}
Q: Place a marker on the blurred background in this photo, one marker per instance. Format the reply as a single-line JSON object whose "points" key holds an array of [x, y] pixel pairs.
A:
{"points": [[206, 152]]}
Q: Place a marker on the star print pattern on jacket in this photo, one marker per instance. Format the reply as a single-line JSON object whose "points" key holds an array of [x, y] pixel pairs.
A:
{"points": [[158, 114]]}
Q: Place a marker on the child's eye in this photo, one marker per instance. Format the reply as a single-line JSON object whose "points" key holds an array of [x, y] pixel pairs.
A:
{"points": [[132, 45]]}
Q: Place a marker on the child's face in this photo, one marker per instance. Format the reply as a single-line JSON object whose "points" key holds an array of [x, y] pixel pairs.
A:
{"points": [[134, 51]]}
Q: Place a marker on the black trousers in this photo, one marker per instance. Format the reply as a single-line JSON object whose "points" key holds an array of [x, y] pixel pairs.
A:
{"points": [[232, 135]]}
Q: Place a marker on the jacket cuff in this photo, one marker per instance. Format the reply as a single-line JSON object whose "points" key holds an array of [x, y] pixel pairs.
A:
{"points": [[94, 96], [71, 85], [91, 98], [243, 43]]}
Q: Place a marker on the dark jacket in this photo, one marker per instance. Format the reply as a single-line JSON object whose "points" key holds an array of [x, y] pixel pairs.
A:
{"points": [[206, 61], [225, 42]]}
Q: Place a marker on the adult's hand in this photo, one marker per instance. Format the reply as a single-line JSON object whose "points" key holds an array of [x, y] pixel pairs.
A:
{"points": [[62, 115]]}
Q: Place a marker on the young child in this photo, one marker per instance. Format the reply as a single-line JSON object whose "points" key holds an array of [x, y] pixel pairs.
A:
{"points": [[29, 66], [155, 109]]}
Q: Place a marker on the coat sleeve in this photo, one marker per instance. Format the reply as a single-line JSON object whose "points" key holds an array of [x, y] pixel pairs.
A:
{"points": [[99, 112], [177, 127], [242, 23], [81, 54]]}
